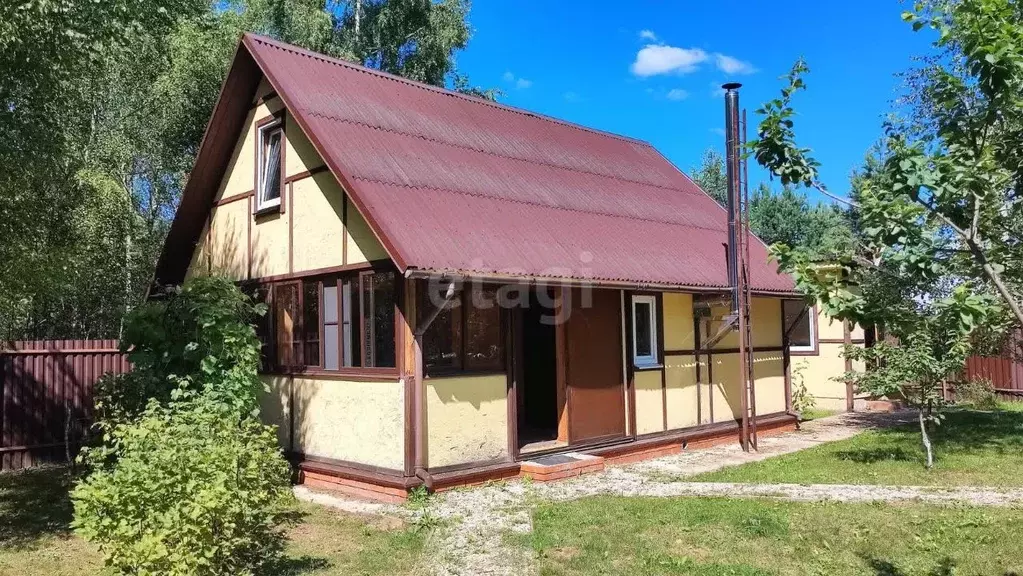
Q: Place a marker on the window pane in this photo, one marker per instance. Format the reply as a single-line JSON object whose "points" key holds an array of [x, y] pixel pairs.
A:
{"points": [[351, 344], [483, 344], [311, 323], [272, 165], [644, 341], [442, 342], [378, 308], [285, 323], [330, 347], [799, 336], [330, 303]]}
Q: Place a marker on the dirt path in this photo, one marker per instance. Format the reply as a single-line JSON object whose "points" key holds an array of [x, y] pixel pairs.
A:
{"points": [[477, 520]]}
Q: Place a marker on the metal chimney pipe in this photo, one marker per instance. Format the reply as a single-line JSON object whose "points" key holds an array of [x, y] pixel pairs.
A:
{"points": [[732, 157]]}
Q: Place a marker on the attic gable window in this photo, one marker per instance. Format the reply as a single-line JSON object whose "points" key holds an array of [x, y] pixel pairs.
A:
{"points": [[268, 162]]}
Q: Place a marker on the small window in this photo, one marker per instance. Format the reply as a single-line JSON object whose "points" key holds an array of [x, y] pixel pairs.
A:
{"points": [[287, 324], [330, 323], [644, 330], [468, 335], [268, 186], [378, 298], [800, 326], [442, 343]]}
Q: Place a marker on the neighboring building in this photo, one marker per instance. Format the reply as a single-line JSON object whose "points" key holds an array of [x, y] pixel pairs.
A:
{"points": [[346, 196], [816, 343]]}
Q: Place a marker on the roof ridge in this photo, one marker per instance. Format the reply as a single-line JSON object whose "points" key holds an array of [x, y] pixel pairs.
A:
{"points": [[443, 91], [481, 151], [527, 203]]}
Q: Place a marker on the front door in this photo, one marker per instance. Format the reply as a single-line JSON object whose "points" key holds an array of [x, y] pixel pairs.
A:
{"points": [[593, 367]]}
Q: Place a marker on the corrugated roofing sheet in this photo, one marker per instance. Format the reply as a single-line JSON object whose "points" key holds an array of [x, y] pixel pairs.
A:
{"points": [[455, 183]]}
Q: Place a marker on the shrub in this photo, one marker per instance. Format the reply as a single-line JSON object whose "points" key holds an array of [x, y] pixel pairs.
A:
{"points": [[978, 393], [196, 339], [193, 490], [186, 479]]}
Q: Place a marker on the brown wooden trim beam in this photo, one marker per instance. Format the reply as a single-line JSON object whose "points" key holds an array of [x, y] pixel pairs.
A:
{"points": [[306, 174], [355, 471], [353, 374], [374, 265], [234, 198]]}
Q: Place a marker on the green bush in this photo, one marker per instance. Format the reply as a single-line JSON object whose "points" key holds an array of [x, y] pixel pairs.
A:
{"points": [[195, 340], [193, 491], [186, 479], [977, 393]]}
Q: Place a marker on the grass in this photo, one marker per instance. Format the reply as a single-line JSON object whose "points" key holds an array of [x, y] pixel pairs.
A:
{"points": [[815, 413], [35, 538], [972, 448], [736, 537]]}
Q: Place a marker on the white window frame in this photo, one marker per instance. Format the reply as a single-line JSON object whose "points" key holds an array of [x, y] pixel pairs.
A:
{"points": [[651, 359], [811, 313], [262, 202]]}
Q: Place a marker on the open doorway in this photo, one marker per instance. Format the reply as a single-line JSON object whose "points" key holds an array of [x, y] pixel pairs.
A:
{"points": [[538, 391]]}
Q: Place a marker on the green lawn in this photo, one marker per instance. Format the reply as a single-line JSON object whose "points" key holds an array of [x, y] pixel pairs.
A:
{"points": [[35, 539], [971, 449], [735, 537]]}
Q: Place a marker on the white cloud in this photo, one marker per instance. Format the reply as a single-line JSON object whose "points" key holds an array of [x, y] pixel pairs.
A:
{"points": [[677, 94], [519, 83], [716, 91], [656, 59], [648, 35], [730, 65], [571, 97], [718, 131]]}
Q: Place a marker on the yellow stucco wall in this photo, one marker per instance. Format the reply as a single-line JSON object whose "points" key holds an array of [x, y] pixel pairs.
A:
{"points": [[275, 406], [679, 333], [228, 236], [319, 229], [359, 422], [318, 235], [725, 387], [467, 419], [683, 397], [200, 264], [769, 375], [765, 316], [649, 402], [363, 246], [822, 373]]}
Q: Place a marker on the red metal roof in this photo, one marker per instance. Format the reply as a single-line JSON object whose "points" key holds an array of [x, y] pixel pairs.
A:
{"points": [[454, 183]]}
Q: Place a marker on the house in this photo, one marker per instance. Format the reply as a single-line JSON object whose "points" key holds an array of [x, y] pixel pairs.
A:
{"points": [[816, 343], [460, 288]]}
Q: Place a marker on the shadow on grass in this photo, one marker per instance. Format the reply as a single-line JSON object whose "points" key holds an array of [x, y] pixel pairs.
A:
{"points": [[293, 566], [963, 431], [946, 567], [34, 504], [874, 455]]}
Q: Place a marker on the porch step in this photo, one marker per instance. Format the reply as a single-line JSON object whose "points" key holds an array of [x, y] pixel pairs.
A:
{"points": [[559, 466]]}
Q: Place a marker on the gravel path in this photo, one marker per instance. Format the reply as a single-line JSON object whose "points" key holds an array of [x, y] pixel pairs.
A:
{"points": [[477, 520]]}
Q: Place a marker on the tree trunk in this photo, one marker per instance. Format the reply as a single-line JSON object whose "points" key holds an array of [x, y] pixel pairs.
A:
{"points": [[926, 439]]}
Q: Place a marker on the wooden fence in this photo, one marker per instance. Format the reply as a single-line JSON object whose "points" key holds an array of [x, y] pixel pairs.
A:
{"points": [[1004, 372], [46, 390]]}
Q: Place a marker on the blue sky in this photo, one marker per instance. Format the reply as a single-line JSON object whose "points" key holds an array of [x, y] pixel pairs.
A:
{"points": [[649, 69]]}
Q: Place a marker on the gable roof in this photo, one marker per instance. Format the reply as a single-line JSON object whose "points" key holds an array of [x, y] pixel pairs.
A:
{"points": [[455, 184]]}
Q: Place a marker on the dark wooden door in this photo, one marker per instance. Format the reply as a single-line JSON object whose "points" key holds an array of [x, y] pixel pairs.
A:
{"points": [[596, 392]]}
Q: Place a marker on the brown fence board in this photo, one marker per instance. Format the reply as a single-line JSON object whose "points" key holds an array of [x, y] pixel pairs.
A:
{"points": [[46, 401]]}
